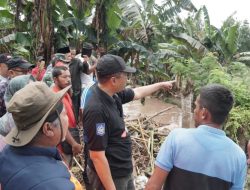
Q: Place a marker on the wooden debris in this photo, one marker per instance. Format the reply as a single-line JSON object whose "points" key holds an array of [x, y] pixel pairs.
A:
{"points": [[147, 137], [146, 141]]}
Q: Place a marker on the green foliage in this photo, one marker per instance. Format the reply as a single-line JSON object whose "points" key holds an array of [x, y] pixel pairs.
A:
{"points": [[226, 40], [63, 7], [236, 79], [198, 72], [131, 11], [232, 38], [238, 124], [4, 13], [235, 76], [244, 37], [113, 19], [3, 3], [19, 50], [238, 85]]}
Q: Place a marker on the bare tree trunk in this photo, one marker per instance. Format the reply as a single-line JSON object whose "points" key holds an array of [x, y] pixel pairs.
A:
{"points": [[18, 11], [48, 33], [43, 29], [186, 107], [99, 23], [186, 103]]}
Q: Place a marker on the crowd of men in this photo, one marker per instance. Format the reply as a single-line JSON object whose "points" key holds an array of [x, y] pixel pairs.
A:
{"points": [[42, 108]]}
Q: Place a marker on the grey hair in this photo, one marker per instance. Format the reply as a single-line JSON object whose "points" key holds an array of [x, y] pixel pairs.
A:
{"points": [[56, 123]]}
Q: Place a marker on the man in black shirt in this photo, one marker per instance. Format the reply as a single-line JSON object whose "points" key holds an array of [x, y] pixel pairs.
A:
{"points": [[76, 67], [109, 143]]}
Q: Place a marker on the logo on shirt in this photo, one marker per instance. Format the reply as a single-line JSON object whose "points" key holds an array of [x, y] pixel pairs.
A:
{"points": [[100, 129]]}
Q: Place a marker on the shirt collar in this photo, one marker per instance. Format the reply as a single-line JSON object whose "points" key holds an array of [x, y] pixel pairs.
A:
{"points": [[212, 129], [37, 151], [3, 78], [104, 95]]}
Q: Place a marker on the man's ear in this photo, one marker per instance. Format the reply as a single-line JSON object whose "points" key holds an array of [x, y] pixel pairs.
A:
{"points": [[48, 129], [55, 80], [10, 73], [205, 114], [113, 80]]}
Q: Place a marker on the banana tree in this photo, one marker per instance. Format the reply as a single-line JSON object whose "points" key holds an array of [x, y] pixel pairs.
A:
{"points": [[185, 53]]}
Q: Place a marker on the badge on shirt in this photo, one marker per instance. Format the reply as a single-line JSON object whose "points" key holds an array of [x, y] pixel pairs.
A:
{"points": [[100, 129]]}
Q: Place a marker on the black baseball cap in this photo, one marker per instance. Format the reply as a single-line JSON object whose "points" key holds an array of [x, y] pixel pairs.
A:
{"points": [[87, 49], [111, 64], [4, 58], [18, 62], [63, 50]]}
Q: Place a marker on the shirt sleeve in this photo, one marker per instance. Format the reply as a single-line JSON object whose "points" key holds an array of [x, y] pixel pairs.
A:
{"points": [[34, 71], [240, 177], [6, 123], [165, 157], [95, 130], [84, 97], [3, 87], [83, 66], [126, 95]]}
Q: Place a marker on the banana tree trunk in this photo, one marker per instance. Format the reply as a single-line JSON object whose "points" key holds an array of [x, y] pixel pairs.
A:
{"points": [[43, 29], [99, 23], [187, 97], [17, 15], [186, 107]]}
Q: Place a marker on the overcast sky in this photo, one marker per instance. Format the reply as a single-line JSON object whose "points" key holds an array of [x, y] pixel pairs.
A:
{"points": [[220, 10]]}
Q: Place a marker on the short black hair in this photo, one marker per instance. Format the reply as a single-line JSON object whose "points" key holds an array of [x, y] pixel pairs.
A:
{"points": [[218, 100], [57, 71], [104, 78]]}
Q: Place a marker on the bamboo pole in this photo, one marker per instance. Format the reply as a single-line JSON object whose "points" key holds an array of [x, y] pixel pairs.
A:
{"points": [[78, 164], [142, 133], [152, 151], [158, 113]]}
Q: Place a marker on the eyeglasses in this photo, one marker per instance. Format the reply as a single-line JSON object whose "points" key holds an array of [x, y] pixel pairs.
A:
{"points": [[120, 75]]}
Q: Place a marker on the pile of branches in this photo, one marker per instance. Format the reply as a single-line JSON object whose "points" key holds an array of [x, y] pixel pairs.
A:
{"points": [[147, 136]]}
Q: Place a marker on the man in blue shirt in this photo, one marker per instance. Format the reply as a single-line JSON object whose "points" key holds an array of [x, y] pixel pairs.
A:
{"points": [[32, 162], [202, 157]]}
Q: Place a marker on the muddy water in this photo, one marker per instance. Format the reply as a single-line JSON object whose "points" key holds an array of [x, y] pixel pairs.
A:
{"points": [[170, 118]]}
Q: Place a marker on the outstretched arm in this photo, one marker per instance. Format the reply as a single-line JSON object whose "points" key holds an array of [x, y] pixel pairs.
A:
{"points": [[144, 91]]}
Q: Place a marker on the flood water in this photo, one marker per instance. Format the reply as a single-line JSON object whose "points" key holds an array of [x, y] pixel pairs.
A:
{"points": [[170, 118]]}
